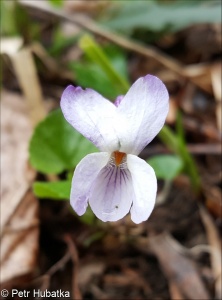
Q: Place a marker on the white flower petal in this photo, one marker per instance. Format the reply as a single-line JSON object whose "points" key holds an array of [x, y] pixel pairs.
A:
{"points": [[144, 109], [145, 188], [92, 115], [84, 175], [112, 194]]}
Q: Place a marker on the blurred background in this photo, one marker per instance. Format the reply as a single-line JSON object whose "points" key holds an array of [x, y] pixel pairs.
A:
{"points": [[107, 45]]}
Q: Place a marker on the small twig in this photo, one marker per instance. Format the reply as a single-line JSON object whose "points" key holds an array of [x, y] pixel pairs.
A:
{"points": [[59, 265], [195, 149], [50, 63], [90, 25], [205, 149], [45, 279], [144, 50], [74, 256], [191, 252], [207, 130], [45, 282]]}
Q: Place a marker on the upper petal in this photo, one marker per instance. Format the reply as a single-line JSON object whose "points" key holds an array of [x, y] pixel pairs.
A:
{"points": [[145, 187], [144, 109], [112, 193], [92, 115], [84, 175]]}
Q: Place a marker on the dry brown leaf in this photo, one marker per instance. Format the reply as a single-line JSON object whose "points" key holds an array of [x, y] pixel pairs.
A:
{"points": [[19, 243], [15, 134], [128, 280], [88, 271], [216, 77], [179, 270], [213, 196], [98, 293], [175, 292], [199, 74], [215, 243], [19, 233], [171, 116]]}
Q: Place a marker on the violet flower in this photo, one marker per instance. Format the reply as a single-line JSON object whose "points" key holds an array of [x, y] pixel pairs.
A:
{"points": [[115, 180]]}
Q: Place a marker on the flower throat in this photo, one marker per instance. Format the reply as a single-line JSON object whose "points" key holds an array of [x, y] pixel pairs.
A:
{"points": [[119, 157]]}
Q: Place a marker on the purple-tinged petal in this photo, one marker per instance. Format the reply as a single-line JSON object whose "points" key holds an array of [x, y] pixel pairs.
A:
{"points": [[92, 115], [144, 109], [145, 187], [118, 100], [112, 193], [84, 175]]}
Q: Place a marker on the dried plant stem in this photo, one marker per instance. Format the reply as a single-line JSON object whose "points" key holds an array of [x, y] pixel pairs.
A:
{"points": [[29, 83]]}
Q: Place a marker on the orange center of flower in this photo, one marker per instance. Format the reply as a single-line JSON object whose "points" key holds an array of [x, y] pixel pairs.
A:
{"points": [[118, 156]]}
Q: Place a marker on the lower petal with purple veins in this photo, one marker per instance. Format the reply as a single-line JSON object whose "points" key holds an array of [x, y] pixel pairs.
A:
{"points": [[112, 193]]}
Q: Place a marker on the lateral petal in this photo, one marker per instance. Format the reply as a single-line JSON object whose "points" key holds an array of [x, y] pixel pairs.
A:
{"points": [[92, 115], [84, 176], [112, 193], [144, 109], [145, 187]]}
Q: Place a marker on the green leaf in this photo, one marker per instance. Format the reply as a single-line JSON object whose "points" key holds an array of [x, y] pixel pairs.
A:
{"points": [[166, 167], [129, 15], [7, 18], [56, 3], [59, 190], [89, 73], [189, 163], [56, 146], [177, 143], [169, 138], [60, 42], [23, 22], [118, 60], [97, 55]]}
